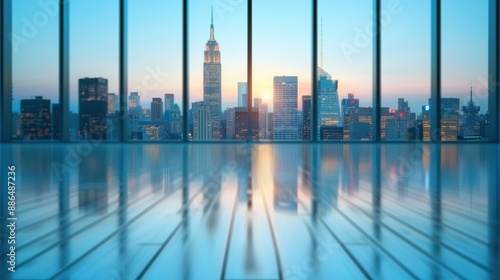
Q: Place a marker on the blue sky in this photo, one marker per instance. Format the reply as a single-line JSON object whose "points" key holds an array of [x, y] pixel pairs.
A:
{"points": [[282, 34]]}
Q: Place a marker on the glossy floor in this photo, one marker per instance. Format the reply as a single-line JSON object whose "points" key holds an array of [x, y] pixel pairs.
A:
{"points": [[261, 211]]}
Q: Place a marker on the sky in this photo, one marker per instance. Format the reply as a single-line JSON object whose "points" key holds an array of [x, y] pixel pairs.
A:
{"points": [[281, 46]]}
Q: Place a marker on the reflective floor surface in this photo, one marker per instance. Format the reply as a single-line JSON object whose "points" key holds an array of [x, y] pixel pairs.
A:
{"points": [[253, 211]]}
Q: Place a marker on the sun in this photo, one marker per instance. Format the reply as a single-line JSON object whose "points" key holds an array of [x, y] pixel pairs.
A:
{"points": [[266, 95]]}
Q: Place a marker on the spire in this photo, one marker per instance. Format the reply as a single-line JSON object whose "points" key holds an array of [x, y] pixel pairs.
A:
{"points": [[212, 37], [470, 90]]}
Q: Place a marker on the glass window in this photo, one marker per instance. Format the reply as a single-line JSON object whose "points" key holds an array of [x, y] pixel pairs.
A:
{"points": [[155, 70], [35, 99], [282, 65], [218, 71], [464, 103], [406, 65], [345, 70], [94, 36]]}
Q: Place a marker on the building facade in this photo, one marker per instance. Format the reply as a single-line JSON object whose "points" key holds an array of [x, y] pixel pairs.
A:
{"points": [[285, 108]]}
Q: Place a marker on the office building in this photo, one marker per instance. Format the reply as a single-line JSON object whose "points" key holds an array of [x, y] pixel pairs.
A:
{"points": [[229, 116], [202, 121], [328, 100], [241, 122], [93, 108], [471, 122], [285, 108], [212, 83], [169, 101], [306, 117], [156, 110], [35, 118]]}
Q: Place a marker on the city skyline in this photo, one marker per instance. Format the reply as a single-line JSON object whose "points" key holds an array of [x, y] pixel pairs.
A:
{"points": [[98, 114], [354, 76]]}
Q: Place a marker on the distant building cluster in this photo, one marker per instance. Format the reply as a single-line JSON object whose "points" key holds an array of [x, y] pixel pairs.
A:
{"points": [[98, 114]]}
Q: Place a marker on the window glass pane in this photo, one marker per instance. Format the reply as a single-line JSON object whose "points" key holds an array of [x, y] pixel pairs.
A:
{"points": [[217, 71], [154, 70], [94, 35], [35, 70], [406, 58], [345, 74], [282, 64], [464, 104]]}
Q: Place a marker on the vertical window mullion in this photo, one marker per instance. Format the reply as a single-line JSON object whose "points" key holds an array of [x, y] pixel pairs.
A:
{"points": [[494, 71], [376, 71], [435, 103], [314, 96], [64, 71], [185, 72], [249, 70], [123, 71], [6, 73]]}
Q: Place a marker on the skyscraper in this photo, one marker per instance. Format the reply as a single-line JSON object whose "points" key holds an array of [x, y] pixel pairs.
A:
{"points": [[35, 118], [134, 115], [263, 121], [306, 117], [212, 82], [169, 101], [242, 94], [270, 132], [230, 123], [241, 120], [56, 116], [328, 100], [202, 128], [285, 108], [112, 100], [93, 107], [450, 118], [471, 127], [134, 101], [173, 122], [349, 107], [156, 109]]}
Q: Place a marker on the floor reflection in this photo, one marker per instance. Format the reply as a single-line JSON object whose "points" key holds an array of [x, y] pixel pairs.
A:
{"points": [[255, 211]]}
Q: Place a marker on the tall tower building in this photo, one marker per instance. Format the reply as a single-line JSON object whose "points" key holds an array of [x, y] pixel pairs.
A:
{"points": [[169, 101], [112, 100], [328, 100], [56, 116], [93, 107], [263, 121], [230, 123], [134, 101], [450, 118], [35, 118], [212, 82], [349, 106], [202, 128], [306, 117], [285, 108], [134, 114], [471, 127], [241, 120], [156, 110]]}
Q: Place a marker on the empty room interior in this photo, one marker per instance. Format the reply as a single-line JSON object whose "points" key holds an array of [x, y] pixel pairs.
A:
{"points": [[249, 139]]}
